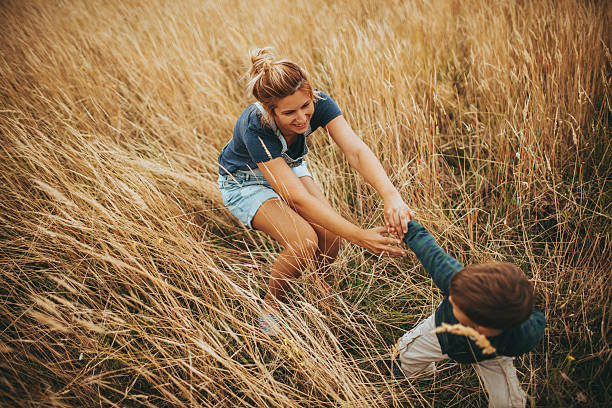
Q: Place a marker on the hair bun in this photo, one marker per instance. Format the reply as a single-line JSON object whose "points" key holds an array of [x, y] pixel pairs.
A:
{"points": [[261, 61], [267, 64], [271, 79]]}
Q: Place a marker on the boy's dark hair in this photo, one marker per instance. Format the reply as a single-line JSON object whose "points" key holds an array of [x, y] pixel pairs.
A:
{"points": [[494, 295]]}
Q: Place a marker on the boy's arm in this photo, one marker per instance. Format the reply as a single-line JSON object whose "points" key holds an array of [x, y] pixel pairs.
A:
{"points": [[437, 263], [528, 334]]}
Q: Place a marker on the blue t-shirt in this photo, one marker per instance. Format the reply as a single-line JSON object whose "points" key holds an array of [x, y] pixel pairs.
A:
{"points": [[254, 142]]}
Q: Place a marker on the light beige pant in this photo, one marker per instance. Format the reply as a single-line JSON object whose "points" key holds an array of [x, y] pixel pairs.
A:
{"points": [[419, 348]]}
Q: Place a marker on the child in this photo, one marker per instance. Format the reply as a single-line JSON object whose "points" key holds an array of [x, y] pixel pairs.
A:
{"points": [[494, 298]]}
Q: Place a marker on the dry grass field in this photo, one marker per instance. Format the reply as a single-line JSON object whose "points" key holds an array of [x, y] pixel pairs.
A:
{"points": [[123, 280]]}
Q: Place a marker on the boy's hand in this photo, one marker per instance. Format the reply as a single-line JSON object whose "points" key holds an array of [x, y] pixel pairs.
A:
{"points": [[397, 215]]}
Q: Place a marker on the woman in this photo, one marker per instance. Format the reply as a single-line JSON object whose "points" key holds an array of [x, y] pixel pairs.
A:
{"points": [[265, 182]]}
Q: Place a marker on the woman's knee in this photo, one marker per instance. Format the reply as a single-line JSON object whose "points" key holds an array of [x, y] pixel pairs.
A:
{"points": [[329, 244], [331, 249]]}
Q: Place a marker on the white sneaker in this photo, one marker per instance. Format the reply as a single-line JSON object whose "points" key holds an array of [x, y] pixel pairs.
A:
{"points": [[268, 323]]}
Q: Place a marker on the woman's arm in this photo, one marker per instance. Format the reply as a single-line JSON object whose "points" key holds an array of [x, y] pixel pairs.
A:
{"points": [[361, 158], [290, 188]]}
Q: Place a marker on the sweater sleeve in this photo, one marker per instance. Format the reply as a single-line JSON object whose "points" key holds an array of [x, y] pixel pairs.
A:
{"points": [[526, 337], [438, 264]]}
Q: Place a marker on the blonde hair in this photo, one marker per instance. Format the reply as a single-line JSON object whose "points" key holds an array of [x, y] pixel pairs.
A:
{"points": [[271, 79]]}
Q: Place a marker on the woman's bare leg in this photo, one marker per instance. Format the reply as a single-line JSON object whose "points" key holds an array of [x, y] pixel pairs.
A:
{"points": [[329, 243], [297, 237]]}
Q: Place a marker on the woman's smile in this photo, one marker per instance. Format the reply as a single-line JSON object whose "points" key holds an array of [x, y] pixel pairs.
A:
{"points": [[301, 128]]}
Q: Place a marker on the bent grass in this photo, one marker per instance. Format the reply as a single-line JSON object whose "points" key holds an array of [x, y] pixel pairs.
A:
{"points": [[461, 330], [125, 282]]}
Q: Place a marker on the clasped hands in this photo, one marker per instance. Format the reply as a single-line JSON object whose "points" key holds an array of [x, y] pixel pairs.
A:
{"points": [[385, 240]]}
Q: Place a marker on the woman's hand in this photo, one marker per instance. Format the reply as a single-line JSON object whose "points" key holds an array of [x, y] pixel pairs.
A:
{"points": [[373, 240], [397, 215]]}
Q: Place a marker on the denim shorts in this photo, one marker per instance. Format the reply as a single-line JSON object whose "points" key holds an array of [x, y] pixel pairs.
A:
{"points": [[243, 192]]}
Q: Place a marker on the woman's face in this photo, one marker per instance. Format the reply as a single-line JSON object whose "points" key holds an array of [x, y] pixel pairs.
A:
{"points": [[293, 112]]}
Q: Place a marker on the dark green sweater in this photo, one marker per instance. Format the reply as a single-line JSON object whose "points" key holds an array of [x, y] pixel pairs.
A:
{"points": [[441, 267]]}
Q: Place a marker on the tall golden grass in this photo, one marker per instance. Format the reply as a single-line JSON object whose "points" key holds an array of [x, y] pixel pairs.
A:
{"points": [[126, 283]]}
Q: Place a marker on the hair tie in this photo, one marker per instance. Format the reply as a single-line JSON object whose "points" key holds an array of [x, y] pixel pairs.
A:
{"points": [[267, 65]]}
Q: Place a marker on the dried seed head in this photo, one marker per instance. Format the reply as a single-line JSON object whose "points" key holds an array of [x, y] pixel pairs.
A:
{"points": [[461, 330]]}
